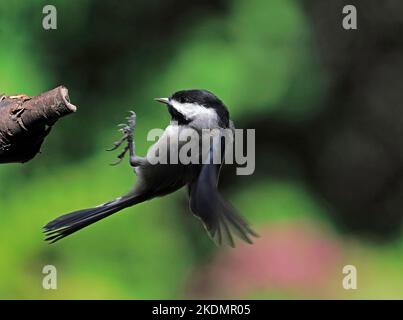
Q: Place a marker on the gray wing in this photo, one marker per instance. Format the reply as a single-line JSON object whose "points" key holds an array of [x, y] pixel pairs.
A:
{"points": [[218, 216]]}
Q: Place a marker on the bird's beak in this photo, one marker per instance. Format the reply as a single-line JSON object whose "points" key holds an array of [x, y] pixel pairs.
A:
{"points": [[162, 100]]}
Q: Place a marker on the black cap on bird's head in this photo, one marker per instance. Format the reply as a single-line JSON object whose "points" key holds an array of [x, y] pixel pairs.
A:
{"points": [[187, 104]]}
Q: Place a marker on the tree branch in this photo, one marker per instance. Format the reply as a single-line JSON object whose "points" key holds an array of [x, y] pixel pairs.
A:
{"points": [[26, 121]]}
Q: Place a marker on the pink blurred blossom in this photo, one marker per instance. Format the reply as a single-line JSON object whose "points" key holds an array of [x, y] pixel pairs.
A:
{"points": [[295, 258]]}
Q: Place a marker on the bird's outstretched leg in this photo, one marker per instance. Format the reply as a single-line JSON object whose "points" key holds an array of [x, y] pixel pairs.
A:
{"points": [[128, 136]]}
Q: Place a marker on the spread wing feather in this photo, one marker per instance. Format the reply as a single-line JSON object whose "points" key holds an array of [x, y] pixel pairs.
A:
{"points": [[218, 216]]}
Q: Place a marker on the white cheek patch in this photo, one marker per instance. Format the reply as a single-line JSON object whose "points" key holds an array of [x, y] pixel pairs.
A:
{"points": [[192, 110]]}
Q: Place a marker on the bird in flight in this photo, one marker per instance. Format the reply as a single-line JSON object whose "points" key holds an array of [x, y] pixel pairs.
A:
{"points": [[194, 111]]}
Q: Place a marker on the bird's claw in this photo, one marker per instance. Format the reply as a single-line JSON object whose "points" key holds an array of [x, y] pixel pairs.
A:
{"points": [[127, 129], [131, 125], [116, 162], [118, 143], [120, 157]]}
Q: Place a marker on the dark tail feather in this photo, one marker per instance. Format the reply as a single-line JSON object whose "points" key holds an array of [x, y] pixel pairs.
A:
{"points": [[220, 219], [69, 223], [226, 222]]}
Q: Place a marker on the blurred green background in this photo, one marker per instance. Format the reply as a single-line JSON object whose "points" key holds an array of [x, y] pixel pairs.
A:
{"points": [[327, 107]]}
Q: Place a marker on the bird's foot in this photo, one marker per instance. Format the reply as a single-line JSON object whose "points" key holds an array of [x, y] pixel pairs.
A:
{"points": [[128, 136], [120, 156]]}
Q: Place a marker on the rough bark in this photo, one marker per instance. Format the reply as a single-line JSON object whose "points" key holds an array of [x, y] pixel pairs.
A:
{"points": [[26, 121]]}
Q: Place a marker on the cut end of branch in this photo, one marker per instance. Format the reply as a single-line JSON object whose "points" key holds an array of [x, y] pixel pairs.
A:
{"points": [[64, 92], [26, 121]]}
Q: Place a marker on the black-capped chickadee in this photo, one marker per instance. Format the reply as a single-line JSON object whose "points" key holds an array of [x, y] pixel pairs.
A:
{"points": [[194, 110]]}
